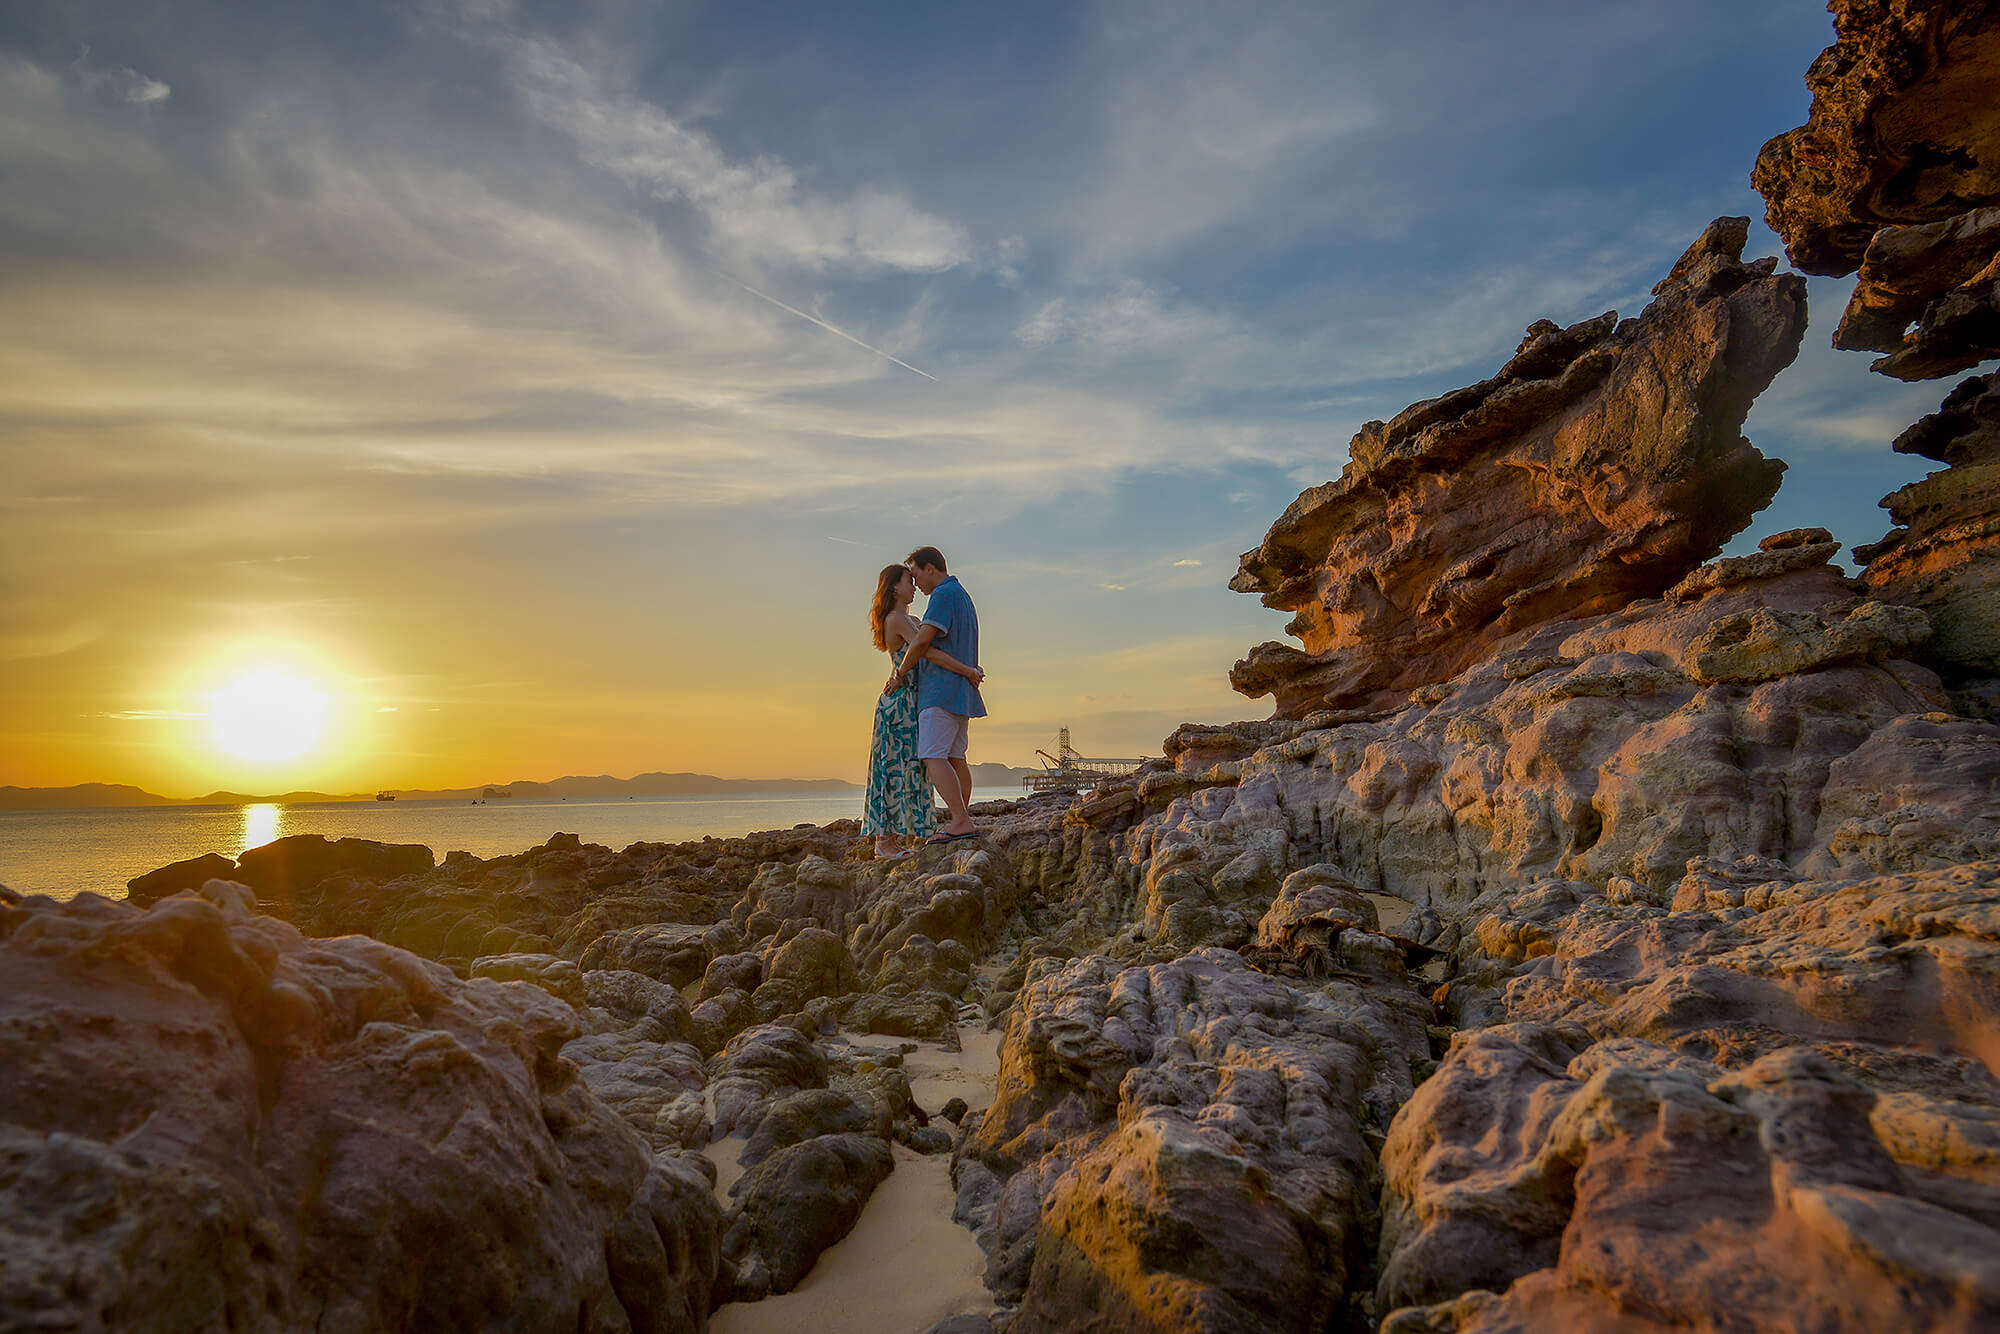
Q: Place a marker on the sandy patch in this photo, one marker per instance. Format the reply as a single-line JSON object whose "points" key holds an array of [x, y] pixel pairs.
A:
{"points": [[906, 1265], [1390, 911], [937, 1076]]}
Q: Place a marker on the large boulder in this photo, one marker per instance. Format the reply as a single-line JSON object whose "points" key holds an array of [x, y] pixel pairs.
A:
{"points": [[293, 866], [1603, 463], [796, 1203], [148, 889], [1764, 709], [211, 1122]]}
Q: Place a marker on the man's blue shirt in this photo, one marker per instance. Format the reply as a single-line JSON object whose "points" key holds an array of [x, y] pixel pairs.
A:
{"points": [[950, 610]]}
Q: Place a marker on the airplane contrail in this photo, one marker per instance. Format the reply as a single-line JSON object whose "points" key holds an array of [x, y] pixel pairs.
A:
{"points": [[814, 319]]}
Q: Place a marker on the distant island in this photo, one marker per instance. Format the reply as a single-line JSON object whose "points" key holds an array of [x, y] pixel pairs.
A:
{"points": [[86, 795]]}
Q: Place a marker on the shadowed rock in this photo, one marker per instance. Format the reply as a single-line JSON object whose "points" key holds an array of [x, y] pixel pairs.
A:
{"points": [[795, 1204], [210, 1122], [1897, 174], [1601, 464], [296, 868], [1945, 555]]}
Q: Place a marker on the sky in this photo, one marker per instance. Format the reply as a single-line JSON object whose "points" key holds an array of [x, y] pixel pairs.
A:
{"points": [[542, 385]]}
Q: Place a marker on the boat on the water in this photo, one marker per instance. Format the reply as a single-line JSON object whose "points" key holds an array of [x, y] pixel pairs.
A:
{"points": [[385, 796]]}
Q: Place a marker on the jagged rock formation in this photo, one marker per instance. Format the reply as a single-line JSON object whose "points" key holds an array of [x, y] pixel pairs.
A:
{"points": [[1767, 707], [1600, 465], [1904, 133], [209, 1122], [1945, 555], [1896, 177]]}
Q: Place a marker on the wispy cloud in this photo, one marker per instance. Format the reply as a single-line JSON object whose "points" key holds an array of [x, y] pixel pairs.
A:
{"points": [[836, 332], [120, 82], [757, 211]]}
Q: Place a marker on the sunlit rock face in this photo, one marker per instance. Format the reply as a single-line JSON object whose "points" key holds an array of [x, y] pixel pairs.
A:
{"points": [[1904, 130], [1896, 178], [1600, 465], [209, 1121]]}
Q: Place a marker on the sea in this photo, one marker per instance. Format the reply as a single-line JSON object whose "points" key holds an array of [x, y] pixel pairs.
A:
{"points": [[66, 852]]}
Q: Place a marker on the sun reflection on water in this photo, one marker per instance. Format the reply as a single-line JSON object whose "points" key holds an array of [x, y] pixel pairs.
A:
{"points": [[261, 823]]}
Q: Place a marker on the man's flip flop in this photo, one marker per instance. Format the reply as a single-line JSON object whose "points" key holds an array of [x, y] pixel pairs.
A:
{"points": [[952, 838]]}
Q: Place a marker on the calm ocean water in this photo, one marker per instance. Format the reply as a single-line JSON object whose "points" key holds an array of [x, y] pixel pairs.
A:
{"points": [[63, 853]]}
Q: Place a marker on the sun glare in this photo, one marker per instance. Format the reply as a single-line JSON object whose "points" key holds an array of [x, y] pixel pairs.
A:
{"points": [[268, 716]]}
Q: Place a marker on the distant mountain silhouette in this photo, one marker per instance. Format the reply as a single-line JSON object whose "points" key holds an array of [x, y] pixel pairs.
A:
{"points": [[87, 795]]}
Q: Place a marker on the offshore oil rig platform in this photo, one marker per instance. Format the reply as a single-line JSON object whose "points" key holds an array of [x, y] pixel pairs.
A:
{"points": [[1067, 771]]}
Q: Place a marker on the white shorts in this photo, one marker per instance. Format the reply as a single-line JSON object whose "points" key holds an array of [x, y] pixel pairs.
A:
{"points": [[941, 734]]}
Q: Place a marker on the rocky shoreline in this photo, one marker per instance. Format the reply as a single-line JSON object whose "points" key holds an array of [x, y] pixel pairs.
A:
{"points": [[1601, 936]]}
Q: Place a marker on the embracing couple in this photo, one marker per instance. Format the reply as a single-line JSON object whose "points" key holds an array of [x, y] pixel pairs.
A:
{"points": [[921, 720]]}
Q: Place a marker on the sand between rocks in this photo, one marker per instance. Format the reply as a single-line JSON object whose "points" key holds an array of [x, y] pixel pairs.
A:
{"points": [[906, 1265]]}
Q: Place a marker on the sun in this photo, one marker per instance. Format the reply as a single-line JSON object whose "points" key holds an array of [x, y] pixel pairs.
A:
{"points": [[268, 716]]}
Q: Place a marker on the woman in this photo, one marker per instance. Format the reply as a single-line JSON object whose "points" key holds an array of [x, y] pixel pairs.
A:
{"points": [[898, 811]]}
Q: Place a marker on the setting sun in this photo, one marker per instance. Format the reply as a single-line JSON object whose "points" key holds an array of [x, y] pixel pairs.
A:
{"points": [[268, 716]]}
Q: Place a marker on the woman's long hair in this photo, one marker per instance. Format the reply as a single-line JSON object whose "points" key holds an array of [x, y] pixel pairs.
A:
{"points": [[884, 603]]}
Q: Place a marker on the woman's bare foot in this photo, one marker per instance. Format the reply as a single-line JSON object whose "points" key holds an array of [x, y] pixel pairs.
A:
{"points": [[888, 849]]}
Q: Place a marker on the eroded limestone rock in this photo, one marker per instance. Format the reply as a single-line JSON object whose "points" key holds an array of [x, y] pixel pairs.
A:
{"points": [[1904, 129], [1603, 463], [209, 1121], [1945, 555], [1185, 1145]]}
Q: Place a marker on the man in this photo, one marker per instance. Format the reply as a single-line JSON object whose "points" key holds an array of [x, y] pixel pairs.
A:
{"points": [[946, 701]]}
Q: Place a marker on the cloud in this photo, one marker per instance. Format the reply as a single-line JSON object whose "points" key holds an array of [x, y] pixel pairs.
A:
{"points": [[121, 82], [756, 212], [149, 715], [1185, 564], [1112, 588]]}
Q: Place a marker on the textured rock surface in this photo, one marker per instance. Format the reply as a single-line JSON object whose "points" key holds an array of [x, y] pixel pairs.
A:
{"points": [[1897, 173], [1929, 296], [1591, 751], [795, 1204], [1776, 1101], [1600, 465], [1904, 129], [1185, 1145], [1945, 555], [211, 1122]]}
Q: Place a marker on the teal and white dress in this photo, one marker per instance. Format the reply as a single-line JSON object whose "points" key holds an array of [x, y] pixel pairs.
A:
{"points": [[899, 795]]}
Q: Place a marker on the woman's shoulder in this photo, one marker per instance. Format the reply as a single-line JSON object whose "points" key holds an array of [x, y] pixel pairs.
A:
{"points": [[898, 628]]}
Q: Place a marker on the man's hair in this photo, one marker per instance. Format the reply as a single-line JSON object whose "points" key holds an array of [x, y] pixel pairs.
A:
{"points": [[923, 556]]}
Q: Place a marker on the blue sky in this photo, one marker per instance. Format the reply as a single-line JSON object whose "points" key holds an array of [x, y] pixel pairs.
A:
{"points": [[421, 345]]}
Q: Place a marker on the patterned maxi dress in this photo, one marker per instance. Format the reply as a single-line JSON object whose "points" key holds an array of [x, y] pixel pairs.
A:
{"points": [[899, 794]]}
